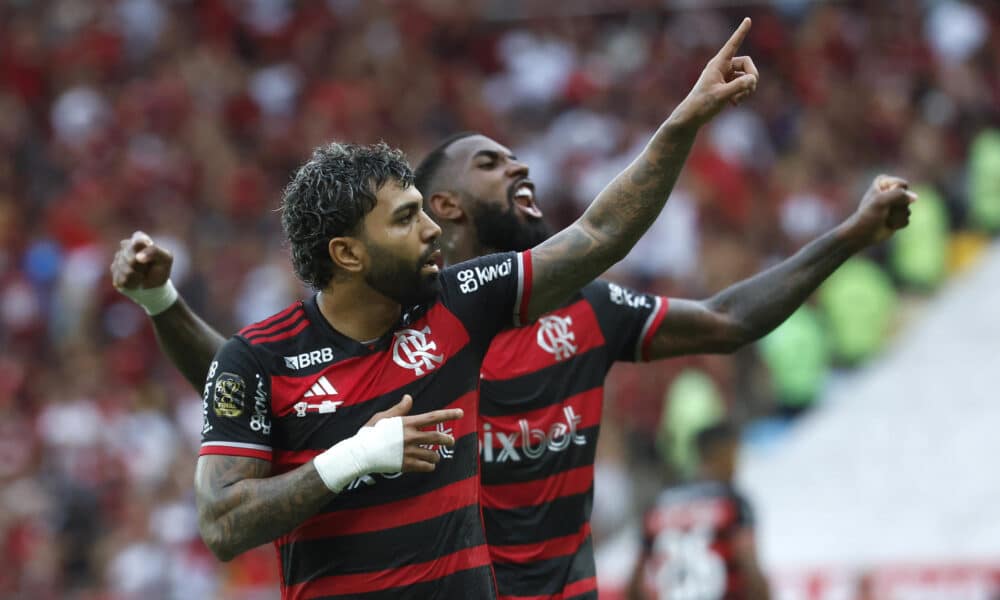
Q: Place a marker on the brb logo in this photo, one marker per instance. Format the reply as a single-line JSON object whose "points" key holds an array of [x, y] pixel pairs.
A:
{"points": [[554, 336], [412, 350], [532, 443]]}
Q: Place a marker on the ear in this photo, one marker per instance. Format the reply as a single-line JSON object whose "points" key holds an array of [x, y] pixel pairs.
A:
{"points": [[445, 206], [348, 254]]}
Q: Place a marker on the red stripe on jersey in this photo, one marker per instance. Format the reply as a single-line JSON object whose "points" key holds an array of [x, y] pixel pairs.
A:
{"points": [[546, 342], [290, 319], [272, 319], [220, 450], [360, 583], [362, 378], [706, 512], [540, 491], [286, 460], [386, 516], [647, 340], [577, 412], [544, 550], [281, 336], [526, 274], [573, 589]]}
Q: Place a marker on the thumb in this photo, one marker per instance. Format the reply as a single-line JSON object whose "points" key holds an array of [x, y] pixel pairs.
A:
{"points": [[401, 408]]}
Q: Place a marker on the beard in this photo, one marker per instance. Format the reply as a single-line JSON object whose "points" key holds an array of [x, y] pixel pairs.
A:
{"points": [[399, 279], [502, 231]]}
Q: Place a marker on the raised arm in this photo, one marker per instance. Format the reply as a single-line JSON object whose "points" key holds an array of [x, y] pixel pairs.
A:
{"points": [[141, 267], [241, 506], [624, 210], [750, 309]]}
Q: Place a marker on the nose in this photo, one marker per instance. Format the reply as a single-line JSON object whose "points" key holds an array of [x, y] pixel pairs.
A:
{"points": [[431, 230], [517, 169]]}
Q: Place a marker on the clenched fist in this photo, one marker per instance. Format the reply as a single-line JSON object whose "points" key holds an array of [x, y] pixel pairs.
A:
{"points": [[884, 208], [140, 264]]}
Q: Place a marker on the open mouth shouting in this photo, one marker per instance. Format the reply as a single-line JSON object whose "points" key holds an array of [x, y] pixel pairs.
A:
{"points": [[522, 195]]}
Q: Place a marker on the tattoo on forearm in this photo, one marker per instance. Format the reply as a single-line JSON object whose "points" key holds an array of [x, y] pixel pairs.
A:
{"points": [[240, 506], [618, 217]]}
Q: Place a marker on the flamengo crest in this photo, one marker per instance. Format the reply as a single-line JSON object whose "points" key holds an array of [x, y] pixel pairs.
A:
{"points": [[554, 336], [412, 350]]}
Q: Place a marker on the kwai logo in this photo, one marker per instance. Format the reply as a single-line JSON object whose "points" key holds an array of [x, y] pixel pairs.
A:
{"points": [[471, 279], [531, 443]]}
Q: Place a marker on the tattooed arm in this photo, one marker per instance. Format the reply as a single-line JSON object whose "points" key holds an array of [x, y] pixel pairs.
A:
{"points": [[750, 309], [188, 342], [240, 506], [624, 210]]}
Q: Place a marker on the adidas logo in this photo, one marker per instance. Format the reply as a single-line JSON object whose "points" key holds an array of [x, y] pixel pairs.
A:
{"points": [[322, 387]]}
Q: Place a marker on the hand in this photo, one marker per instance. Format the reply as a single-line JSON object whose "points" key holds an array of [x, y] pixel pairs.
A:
{"points": [[727, 79], [416, 454], [884, 208], [140, 263]]}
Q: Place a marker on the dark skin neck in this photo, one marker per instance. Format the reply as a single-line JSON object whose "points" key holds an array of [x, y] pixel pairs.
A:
{"points": [[460, 243], [356, 310]]}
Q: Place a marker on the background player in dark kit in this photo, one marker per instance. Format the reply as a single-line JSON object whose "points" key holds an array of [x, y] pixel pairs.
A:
{"points": [[372, 261], [698, 538]]}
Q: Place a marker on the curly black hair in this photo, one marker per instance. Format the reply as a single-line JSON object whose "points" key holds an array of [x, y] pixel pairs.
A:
{"points": [[330, 195]]}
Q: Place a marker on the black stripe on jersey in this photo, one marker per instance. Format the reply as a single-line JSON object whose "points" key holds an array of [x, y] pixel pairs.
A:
{"points": [[386, 549], [468, 583], [453, 379], [528, 524], [409, 485], [550, 463], [547, 386], [535, 578]]}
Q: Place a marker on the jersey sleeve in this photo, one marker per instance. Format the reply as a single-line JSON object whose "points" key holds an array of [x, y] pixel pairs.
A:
{"points": [[489, 294], [628, 319], [235, 405]]}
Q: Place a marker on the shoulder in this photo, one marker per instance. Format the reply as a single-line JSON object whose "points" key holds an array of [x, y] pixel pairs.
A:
{"points": [[279, 326]]}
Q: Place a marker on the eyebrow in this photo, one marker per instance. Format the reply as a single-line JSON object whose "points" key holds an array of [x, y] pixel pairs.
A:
{"points": [[492, 155], [414, 205]]}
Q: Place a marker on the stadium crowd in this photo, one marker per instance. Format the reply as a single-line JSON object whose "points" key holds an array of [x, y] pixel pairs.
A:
{"points": [[186, 119]]}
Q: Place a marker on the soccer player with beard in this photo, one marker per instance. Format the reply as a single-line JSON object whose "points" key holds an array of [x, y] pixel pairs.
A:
{"points": [[541, 387]]}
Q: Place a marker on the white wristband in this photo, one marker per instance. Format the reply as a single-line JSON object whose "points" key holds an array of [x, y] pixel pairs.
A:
{"points": [[153, 300], [375, 449]]}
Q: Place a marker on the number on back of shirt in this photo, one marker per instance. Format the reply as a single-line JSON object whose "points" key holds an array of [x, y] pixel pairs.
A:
{"points": [[691, 569]]}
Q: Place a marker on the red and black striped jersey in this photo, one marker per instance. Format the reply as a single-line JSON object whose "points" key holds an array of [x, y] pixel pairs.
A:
{"points": [[541, 393], [692, 537], [289, 387]]}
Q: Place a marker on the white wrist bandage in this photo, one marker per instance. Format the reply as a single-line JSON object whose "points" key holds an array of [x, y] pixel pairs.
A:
{"points": [[375, 449], [153, 300]]}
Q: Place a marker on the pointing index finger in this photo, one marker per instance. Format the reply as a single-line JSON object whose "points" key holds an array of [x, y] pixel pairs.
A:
{"points": [[728, 51]]}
